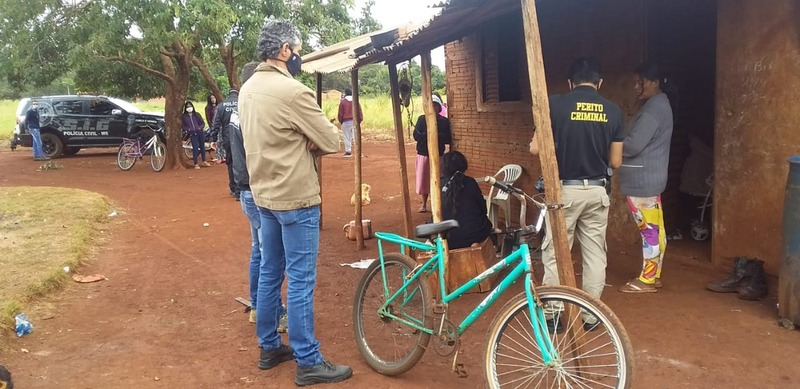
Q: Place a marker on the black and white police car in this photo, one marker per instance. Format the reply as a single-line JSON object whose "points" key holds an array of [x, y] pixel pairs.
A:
{"points": [[71, 123]]}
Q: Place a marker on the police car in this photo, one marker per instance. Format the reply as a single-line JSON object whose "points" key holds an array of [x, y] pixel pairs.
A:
{"points": [[71, 123]]}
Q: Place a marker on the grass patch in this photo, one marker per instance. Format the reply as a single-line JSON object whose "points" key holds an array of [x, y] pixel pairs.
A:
{"points": [[43, 229], [8, 118]]}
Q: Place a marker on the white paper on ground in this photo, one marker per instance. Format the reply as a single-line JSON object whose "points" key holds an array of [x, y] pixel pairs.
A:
{"points": [[362, 264]]}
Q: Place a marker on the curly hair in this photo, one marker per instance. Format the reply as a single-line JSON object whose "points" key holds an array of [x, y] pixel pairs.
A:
{"points": [[274, 35]]}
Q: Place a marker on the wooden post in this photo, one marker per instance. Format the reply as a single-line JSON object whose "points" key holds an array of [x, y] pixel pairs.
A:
{"points": [[549, 163], [357, 155], [433, 146], [401, 149], [544, 134], [319, 159]]}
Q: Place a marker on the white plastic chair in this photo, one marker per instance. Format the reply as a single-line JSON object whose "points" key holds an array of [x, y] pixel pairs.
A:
{"points": [[508, 174]]}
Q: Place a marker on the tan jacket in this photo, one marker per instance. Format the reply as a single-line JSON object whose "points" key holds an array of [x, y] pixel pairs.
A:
{"points": [[279, 117]]}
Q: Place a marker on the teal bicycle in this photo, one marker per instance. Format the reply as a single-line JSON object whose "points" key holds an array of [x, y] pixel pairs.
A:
{"points": [[548, 336]]}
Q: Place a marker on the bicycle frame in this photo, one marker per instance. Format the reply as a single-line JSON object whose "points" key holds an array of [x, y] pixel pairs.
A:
{"points": [[139, 151], [521, 257]]}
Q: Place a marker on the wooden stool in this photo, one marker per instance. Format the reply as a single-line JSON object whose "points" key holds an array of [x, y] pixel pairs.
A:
{"points": [[464, 265]]}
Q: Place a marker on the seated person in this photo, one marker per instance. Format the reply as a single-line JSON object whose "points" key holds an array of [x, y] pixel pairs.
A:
{"points": [[463, 201]]}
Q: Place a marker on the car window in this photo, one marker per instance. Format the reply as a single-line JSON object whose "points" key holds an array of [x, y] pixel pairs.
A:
{"points": [[128, 107], [101, 107], [68, 107], [21, 108]]}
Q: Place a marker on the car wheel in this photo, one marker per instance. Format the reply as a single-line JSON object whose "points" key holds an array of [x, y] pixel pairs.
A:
{"points": [[52, 145], [71, 150]]}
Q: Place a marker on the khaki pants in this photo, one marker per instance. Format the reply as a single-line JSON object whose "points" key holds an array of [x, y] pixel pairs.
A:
{"points": [[587, 218]]}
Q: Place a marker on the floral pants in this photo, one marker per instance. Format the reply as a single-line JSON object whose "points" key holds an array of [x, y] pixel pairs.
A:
{"points": [[648, 214]]}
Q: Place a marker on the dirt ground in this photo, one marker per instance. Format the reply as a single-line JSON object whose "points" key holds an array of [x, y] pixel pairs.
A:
{"points": [[166, 316]]}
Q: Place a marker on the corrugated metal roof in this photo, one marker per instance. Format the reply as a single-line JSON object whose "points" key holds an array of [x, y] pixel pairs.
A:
{"points": [[457, 19], [342, 57]]}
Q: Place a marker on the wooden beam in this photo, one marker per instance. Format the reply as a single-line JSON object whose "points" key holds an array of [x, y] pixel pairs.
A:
{"points": [[547, 150], [433, 147], [357, 164], [549, 163], [401, 149], [319, 159]]}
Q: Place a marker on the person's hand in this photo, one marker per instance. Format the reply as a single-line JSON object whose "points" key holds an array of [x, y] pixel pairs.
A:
{"points": [[311, 146]]}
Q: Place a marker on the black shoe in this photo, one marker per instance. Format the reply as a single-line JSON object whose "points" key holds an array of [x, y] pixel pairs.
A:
{"points": [[554, 326], [755, 288], [272, 358], [325, 372], [737, 279]]}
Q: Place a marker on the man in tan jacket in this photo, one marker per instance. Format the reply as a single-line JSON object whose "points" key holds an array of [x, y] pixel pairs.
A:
{"points": [[284, 130]]}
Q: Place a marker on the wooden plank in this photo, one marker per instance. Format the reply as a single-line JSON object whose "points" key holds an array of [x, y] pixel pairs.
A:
{"points": [[319, 159], [544, 133], [549, 164], [401, 150], [433, 144], [357, 164]]}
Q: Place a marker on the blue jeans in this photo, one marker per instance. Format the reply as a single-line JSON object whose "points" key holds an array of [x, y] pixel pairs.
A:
{"points": [[36, 134], [198, 146], [250, 210], [289, 243]]}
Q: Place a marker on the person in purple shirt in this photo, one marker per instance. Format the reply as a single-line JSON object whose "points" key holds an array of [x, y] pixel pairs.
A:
{"points": [[192, 123]]}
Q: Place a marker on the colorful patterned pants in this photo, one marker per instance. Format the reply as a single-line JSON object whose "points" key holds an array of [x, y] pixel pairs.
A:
{"points": [[648, 214]]}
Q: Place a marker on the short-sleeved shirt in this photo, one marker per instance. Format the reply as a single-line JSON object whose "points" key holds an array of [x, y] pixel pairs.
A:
{"points": [[584, 126]]}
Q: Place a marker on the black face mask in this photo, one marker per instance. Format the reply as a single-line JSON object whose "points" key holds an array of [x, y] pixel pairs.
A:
{"points": [[294, 64]]}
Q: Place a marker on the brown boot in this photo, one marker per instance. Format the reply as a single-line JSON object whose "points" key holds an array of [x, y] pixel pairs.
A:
{"points": [[756, 287], [734, 281]]}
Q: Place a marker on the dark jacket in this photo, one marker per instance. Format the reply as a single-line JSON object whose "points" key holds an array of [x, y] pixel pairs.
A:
{"points": [[346, 110], [421, 134], [192, 123], [32, 118], [474, 225], [226, 117], [235, 141], [211, 110]]}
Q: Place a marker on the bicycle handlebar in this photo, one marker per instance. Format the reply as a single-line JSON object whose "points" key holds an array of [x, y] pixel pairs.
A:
{"points": [[516, 192]]}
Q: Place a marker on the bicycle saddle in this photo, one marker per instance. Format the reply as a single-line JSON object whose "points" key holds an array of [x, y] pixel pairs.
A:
{"points": [[428, 230]]}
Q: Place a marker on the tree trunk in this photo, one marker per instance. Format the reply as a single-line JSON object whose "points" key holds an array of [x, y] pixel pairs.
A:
{"points": [[210, 81], [229, 60], [176, 93]]}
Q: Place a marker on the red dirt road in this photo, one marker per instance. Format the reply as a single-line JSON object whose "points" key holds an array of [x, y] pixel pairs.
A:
{"points": [[166, 317]]}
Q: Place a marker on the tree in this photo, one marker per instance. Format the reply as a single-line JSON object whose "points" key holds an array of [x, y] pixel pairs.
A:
{"points": [[366, 23], [159, 38], [36, 40]]}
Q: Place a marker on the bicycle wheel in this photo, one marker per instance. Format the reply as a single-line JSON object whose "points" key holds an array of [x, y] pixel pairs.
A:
{"points": [[391, 347], [187, 147], [514, 359], [158, 157], [126, 156]]}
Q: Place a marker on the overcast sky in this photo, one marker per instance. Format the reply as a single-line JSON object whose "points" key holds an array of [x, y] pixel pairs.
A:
{"points": [[393, 13]]}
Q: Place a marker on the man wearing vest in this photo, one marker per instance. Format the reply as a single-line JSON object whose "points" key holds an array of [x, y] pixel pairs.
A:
{"points": [[588, 135]]}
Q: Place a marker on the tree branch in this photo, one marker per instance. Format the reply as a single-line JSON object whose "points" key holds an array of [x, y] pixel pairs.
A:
{"points": [[168, 53], [212, 84], [138, 65]]}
